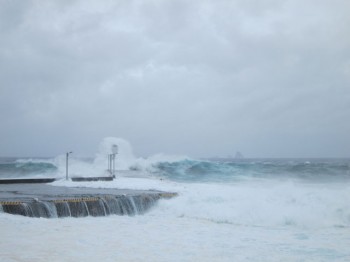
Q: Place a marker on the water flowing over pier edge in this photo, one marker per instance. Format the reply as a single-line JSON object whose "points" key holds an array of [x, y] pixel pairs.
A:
{"points": [[82, 207], [56, 202]]}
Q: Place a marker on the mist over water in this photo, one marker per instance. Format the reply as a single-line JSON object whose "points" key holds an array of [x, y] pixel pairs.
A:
{"points": [[293, 208]]}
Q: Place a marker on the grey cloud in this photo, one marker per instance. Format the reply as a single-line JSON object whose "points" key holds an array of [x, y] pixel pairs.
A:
{"points": [[269, 78]]}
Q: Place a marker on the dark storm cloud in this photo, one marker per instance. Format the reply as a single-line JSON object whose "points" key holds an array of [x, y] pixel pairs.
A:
{"points": [[269, 78]]}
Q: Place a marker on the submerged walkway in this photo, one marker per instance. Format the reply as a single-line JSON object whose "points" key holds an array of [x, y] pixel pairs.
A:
{"points": [[44, 200]]}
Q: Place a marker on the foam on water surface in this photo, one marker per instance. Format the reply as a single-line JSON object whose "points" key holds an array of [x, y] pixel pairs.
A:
{"points": [[227, 210], [157, 237]]}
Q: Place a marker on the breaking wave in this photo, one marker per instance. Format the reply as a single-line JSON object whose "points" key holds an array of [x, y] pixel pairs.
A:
{"points": [[20, 168]]}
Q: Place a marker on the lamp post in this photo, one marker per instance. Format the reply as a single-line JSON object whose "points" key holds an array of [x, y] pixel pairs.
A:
{"points": [[67, 156], [114, 152]]}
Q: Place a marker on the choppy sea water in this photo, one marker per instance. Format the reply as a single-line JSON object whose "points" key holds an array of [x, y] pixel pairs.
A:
{"points": [[227, 210]]}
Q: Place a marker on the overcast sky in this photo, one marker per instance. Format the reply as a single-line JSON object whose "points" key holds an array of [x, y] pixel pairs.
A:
{"points": [[269, 78]]}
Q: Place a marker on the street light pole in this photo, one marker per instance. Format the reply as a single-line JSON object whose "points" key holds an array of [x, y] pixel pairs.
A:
{"points": [[67, 156], [113, 172], [114, 152]]}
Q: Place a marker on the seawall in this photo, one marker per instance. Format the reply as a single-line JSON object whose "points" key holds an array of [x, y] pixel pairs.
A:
{"points": [[44, 200], [49, 180]]}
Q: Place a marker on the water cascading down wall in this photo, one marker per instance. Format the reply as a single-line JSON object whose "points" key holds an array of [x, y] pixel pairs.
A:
{"points": [[85, 206]]}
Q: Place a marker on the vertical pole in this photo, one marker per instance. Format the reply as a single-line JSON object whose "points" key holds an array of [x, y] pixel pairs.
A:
{"points": [[113, 164], [114, 153], [67, 154], [110, 163]]}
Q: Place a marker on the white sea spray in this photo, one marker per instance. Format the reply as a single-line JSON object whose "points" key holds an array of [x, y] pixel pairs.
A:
{"points": [[226, 210]]}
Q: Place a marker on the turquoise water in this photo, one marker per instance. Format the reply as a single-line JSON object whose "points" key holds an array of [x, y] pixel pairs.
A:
{"points": [[227, 210], [14, 167], [197, 170], [230, 169]]}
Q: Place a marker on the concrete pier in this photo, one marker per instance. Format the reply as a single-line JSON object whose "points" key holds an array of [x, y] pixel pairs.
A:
{"points": [[44, 200], [49, 180]]}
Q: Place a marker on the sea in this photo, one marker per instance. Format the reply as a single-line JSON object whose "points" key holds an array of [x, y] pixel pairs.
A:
{"points": [[227, 209]]}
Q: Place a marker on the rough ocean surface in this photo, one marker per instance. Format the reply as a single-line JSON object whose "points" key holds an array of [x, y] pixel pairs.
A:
{"points": [[227, 210]]}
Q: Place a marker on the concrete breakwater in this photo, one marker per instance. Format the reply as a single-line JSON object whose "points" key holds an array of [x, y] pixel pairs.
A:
{"points": [[50, 180], [42, 200]]}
